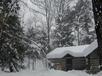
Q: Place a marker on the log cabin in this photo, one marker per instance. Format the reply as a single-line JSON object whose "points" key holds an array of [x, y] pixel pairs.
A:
{"points": [[83, 57]]}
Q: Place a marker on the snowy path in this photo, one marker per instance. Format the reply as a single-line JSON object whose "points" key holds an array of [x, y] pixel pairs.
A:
{"points": [[49, 73]]}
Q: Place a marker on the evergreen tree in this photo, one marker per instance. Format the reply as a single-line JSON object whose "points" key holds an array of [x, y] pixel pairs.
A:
{"points": [[63, 35], [64, 32], [83, 21], [39, 37], [74, 25], [12, 47]]}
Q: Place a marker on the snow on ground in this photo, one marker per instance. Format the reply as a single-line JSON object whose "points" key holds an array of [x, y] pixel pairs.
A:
{"points": [[49, 73]]}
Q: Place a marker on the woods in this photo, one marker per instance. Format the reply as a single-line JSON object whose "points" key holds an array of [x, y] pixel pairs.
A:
{"points": [[30, 29], [64, 25], [11, 36]]}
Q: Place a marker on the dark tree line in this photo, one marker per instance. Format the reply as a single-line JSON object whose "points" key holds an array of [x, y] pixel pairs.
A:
{"points": [[12, 47], [97, 10]]}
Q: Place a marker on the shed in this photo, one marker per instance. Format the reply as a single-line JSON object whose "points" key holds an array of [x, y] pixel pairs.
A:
{"points": [[75, 57]]}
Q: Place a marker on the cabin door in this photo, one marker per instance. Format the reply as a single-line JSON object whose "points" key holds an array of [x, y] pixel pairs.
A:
{"points": [[68, 64]]}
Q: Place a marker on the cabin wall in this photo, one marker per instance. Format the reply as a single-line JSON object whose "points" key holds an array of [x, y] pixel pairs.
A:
{"points": [[79, 63], [76, 63], [59, 64], [93, 60]]}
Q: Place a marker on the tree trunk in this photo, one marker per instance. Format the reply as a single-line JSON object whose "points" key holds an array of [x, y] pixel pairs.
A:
{"points": [[47, 7], [11, 67], [97, 10], [28, 62], [33, 63]]}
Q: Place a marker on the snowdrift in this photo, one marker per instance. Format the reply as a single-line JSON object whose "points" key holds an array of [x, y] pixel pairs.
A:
{"points": [[49, 73]]}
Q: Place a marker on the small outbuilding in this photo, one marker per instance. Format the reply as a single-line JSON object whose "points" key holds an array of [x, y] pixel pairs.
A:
{"points": [[75, 57]]}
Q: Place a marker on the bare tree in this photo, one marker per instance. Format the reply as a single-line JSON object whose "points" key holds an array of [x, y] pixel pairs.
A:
{"points": [[49, 9]]}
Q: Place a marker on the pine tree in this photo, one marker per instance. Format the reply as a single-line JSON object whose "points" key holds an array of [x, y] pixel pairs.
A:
{"points": [[83, 22], [38, 45], [64, 32], [63, 35], [39, 37], [12, 47], [74, 25]]}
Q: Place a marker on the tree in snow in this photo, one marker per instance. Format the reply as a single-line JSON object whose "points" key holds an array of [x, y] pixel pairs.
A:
{"points": [[12, 47], [75, 24], [97, 10], [48, 10], [64, 31], [38, 51], [97, 7], [63, 34], [83, 22], [39, 36]]}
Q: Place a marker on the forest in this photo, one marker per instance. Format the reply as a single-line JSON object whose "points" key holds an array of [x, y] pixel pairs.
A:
{"points": [[31, 29]]}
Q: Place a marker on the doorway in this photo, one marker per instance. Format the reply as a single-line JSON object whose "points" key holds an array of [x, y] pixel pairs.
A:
{"points": [[68, 64]]}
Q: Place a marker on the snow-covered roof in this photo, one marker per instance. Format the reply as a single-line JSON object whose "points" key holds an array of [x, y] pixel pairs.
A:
{"points": [[76, 51], [91, 48]]}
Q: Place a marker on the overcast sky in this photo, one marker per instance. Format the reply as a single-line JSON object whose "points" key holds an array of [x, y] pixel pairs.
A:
{"points": [[28, 16]]}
